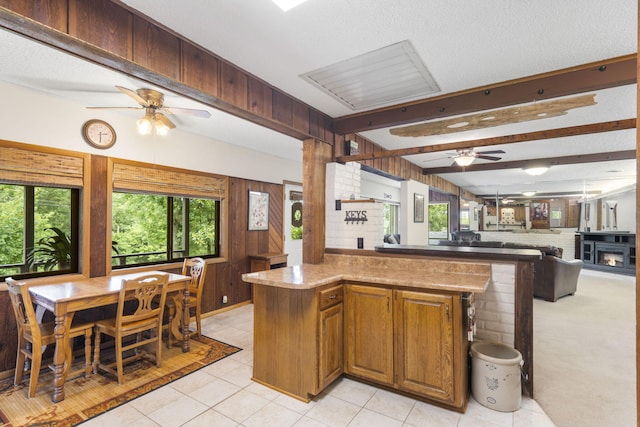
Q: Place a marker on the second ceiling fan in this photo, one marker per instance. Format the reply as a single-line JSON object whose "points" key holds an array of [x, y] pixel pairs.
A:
{"points": [[467, 156]]}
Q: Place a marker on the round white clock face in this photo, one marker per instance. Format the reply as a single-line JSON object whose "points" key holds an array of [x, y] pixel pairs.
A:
{"points": [[99, 133]]}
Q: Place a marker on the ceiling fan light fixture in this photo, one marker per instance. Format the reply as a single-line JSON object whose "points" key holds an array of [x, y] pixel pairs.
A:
{"points": [[528, 193], [144, 125], [536, 170], [161, 128], [464, 159]]}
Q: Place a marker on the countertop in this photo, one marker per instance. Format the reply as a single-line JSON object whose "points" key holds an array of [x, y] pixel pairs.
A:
{"points": [[310, 276]]}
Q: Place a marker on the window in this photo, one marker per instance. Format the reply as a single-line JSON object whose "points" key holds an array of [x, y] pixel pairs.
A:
{"points": [[438, 220], [391, 211], [151, 228], [37, 230]]}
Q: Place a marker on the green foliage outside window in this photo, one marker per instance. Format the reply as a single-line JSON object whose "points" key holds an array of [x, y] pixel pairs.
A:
{"points": [[35, 230], [296, 220], [142, 224], [438, 218]]}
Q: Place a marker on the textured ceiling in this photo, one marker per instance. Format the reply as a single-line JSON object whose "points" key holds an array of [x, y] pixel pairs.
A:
{"points": [[463, 45]]}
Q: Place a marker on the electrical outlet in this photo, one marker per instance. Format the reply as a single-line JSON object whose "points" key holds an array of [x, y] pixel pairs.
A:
{"points": [[224, 299]]}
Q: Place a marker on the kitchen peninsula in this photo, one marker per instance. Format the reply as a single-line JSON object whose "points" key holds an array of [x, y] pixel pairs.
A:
{"points": [[398, 327]]}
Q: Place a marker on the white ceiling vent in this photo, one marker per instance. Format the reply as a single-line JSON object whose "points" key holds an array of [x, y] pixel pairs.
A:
{"points": [[385, 76]]}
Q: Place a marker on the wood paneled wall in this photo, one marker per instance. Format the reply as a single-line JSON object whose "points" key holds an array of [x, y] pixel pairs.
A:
{"points": [[243, 242], [396, 166]]}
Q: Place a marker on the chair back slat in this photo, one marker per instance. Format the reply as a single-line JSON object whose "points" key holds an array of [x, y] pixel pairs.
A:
{"points": [[143, 291], [23, 308], [194, 267]]}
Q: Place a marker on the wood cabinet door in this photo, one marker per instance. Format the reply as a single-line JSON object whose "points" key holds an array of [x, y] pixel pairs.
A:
{"points": [[424, 346], [331, 344], [369, 333]]}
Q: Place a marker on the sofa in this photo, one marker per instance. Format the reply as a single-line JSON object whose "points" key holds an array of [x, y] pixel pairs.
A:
{"points": [[393, 239], [553, 277]]}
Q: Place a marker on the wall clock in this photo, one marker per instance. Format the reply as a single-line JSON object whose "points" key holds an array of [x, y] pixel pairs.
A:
{"points": [[98, 133]]}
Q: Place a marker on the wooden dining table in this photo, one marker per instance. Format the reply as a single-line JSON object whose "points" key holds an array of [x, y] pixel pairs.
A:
{"points": [[65, 298]]}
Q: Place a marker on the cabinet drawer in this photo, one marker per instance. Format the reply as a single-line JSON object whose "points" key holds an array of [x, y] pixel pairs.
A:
{"points": [[331, 296]]}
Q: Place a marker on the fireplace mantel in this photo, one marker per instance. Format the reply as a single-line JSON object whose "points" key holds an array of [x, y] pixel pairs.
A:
{"points": [[613, 251]]}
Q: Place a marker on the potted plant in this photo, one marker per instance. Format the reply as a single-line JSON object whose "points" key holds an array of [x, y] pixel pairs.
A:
{"points": [[53, 251]]}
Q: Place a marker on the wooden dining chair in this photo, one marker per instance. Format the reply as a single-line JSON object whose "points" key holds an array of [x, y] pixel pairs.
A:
{"points": [[33, 336], [196, 268], [134, 326]]}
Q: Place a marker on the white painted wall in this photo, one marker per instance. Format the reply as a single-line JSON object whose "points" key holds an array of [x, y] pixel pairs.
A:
{"points": [[625, 212], [625, 209], [343, 183], [378, 187], [34, 118], [495, 308], [413, 233]]}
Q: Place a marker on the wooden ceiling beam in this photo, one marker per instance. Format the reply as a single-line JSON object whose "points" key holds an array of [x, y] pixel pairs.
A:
{"points": [[604, 74], [548, 161], [497, 140]]}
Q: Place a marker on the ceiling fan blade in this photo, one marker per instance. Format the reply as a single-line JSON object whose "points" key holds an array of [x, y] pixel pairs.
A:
{"points": [[487, 157], [490, 152], [165, 120], [115, 108], [437, 159], [188, 111], [133, 94]]}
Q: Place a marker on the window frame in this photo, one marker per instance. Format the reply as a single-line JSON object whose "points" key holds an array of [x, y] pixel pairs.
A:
{"points": [[29, 230], [169, 248]]}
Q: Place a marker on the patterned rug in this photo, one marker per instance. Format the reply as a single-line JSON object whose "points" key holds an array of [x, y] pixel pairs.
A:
{"points": [[88, 397]]}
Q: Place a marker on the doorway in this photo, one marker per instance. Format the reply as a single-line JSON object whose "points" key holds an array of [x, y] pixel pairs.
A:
{"points": [[293, 218]]}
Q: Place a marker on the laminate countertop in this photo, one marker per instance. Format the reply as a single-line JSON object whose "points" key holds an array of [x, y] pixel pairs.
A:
{"points": [[310, 276]]}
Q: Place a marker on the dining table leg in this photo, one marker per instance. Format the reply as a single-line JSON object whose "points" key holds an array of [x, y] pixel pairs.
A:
{"points": [[59, 357]]}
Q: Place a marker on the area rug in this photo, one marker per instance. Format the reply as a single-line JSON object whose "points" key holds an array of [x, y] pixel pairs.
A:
{"points": [[88, 397]]}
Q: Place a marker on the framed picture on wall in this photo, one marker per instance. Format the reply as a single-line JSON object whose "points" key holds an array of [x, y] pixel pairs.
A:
{"points": [[258, 210], [418, 207]]}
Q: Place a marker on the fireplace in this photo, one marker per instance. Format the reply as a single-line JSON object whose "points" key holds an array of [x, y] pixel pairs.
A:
{"points": [[609, 251], [612, 256]]}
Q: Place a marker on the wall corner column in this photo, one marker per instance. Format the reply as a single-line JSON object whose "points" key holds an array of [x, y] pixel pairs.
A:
{"points": [[315, 155]]}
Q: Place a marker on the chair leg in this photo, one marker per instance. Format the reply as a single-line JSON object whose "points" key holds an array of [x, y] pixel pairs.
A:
{"points": [[119, 359], [172, 313], [87, 352], [159, 344], [20, 359], [36, 361], [199, 321], [68, 359], [96, 352]]}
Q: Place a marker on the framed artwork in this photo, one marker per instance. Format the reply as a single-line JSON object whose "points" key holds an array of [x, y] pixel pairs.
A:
{"points": [[539, 212], [258, 210], [418, 207]]}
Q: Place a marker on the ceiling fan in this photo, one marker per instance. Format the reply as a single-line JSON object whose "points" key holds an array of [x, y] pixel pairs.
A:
{"points": [[152, 102], [467, 156]]}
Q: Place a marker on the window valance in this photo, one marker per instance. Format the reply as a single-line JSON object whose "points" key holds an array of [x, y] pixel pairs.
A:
{"points": [[29, 167], [166, 181]]}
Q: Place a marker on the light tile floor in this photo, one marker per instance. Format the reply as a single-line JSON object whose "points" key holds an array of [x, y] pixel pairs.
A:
{"points": [[222, 394]]}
